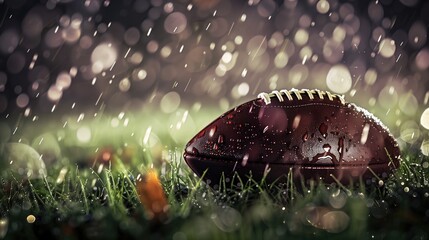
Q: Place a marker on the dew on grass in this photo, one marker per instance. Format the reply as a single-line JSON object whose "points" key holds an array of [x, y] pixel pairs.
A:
{"points": [[338, 200], [4, 225], [31, 218]]}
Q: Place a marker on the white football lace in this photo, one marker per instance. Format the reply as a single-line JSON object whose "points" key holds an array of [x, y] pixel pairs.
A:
{"points": [[297, 93]]}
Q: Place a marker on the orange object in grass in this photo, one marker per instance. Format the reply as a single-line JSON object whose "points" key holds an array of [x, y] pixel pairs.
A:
{"points": [[152, 195]]}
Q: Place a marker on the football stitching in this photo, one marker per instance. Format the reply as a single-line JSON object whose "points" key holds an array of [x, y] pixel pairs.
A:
{"points": [[266, 97]]}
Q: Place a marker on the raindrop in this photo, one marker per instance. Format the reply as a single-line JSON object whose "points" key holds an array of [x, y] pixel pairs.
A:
{"points": [[305, 137], [365, 133], [245, 159], [212, 131], [220, 139], [323, 129]]}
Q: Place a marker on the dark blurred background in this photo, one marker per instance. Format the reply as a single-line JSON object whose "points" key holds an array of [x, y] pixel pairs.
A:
{"points": [[62, 57]]}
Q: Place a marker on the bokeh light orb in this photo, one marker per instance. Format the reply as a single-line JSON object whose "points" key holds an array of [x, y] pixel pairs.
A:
{"points": [[417, 35], [83, 134], [55, 93], [22, 100], [370, 76], [387, 47], [322, 6], [63, 80], [170, 102], [388, 97], [424, 148], [105, 54], [175, 23], [422, 59], [408, 104], [424, 119], [281, 59], [132, 36], [9, 40], [339, 79]]}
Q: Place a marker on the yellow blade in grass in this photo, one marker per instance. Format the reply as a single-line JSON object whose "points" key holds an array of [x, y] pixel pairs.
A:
{"points": [[152, 195]]}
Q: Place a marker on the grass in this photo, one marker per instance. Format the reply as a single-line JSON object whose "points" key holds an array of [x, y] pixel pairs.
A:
{"points": [[85, 197]]}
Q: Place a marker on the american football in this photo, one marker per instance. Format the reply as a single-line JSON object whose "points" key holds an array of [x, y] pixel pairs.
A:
{"points": [[294, 134]]}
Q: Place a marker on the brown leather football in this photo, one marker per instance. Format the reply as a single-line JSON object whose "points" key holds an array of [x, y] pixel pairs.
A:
{"points": [[294, 134]]}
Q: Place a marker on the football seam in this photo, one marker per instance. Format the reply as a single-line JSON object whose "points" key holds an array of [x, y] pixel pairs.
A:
{"points": [[274, 163], [300, 105]]}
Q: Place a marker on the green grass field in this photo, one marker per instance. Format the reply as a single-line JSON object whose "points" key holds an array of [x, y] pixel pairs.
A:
{"points": [[90, 191]]}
